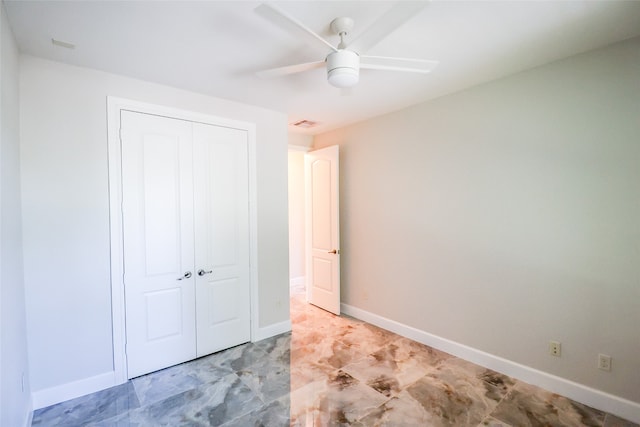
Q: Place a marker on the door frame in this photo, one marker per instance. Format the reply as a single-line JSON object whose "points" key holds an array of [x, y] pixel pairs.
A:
{"points": [[114, 106]]}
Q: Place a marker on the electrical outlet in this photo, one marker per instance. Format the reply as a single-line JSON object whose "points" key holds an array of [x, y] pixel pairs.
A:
{"points": [[604, 362], [554, 348]]}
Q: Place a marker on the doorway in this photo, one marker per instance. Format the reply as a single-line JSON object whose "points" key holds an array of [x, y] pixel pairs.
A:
{"points": [[296, 218], [314, 230]]}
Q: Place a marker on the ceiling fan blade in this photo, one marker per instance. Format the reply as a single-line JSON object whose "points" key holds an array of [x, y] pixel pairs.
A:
{"points": [[289, 69], [282, 19], [397, 64], [400, 13]]}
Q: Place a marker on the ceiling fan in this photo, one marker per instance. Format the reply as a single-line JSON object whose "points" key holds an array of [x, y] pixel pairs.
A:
{"points": [[345, 60]]}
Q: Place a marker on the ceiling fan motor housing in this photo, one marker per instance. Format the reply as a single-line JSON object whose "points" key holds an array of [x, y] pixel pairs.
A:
{"points": [[343, 68]]}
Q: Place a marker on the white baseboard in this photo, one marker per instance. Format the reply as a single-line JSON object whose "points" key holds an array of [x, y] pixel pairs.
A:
{"points": [[296, 281], [272, 330], [57, 394], [29, 416], [29, 419], [589, 396], [51, 396]]}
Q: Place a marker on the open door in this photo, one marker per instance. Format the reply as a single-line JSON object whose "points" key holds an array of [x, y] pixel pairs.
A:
{"points": [[322, 229]]}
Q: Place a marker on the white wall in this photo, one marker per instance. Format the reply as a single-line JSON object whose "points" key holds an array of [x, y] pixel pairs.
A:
{"points": [[296, 216], [506, 216], [66, 211], [16, 401]]}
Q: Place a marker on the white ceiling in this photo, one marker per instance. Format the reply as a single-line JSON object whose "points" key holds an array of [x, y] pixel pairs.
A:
{"points": [[215, 47]]}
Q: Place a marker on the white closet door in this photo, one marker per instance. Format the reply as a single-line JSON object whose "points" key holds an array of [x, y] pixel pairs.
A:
{"points": [[157, 209], [222, 237]]}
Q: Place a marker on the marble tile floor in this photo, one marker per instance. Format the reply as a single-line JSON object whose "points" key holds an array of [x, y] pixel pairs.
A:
{"points": [[329, 371]]}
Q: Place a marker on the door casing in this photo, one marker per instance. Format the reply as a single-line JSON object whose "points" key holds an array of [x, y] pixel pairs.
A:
{"points": [[114, 106]]}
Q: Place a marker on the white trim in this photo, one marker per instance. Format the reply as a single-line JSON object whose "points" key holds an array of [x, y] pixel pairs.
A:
{"points": [[60, 393], [589, 396], [303, 148], [253, 231], [271, 330], [114, 106], [296, 281]]}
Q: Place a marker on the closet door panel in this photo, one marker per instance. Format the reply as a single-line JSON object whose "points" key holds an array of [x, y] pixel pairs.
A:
{"points": [[221, 237], [157, 213]]}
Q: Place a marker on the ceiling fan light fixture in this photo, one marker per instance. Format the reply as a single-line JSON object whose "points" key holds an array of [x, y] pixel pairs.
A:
{"points": [[343, 68], [343, 77]]}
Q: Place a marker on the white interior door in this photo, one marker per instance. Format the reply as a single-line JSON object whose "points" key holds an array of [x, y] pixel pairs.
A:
{"points": [[222, 237], [158, 241], [322, 229]]}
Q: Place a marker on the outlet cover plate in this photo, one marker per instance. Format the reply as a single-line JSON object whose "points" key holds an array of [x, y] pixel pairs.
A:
{"points": [[604, 362]]}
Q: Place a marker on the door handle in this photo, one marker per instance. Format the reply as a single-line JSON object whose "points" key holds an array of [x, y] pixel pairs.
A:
{"points": [[185, 276], [333, 252], [201, 272]]}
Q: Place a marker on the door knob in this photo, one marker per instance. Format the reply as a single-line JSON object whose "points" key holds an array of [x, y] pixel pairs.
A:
{"points": [[333, 252], [201, 272], [185, 276]]}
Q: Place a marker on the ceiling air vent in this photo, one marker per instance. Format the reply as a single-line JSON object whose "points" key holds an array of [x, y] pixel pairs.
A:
{"points": [[305, 124]]}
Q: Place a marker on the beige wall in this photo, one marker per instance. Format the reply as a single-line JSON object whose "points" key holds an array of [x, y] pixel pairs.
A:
{"points": [[66, 211], [506, 216], [298, 145]]}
